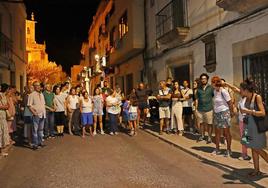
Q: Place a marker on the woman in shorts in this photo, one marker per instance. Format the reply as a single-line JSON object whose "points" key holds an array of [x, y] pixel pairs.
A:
{"points": [[97, 110], [86, 108]]}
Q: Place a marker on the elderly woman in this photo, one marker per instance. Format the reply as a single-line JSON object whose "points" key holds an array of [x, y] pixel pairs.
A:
{"points": [[4, 133]]}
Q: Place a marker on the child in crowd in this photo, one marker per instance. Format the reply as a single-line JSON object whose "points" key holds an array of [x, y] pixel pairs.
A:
{"points": [[133, 114], [125, 112], [86, 109]]}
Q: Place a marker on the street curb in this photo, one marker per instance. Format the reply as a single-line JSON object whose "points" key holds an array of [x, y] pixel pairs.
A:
{"points": [[198, 156]]}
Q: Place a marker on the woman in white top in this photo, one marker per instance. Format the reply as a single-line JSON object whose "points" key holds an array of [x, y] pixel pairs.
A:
{"points": [[86, 109], [59, 106], [241, 105], [223, 111], [72, 105], [113, 109]]}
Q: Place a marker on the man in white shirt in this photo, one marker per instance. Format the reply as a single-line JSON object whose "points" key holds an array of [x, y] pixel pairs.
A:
{"points": [[36, 104]]}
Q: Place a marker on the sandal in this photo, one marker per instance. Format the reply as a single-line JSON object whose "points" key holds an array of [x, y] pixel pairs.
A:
{"points": [[254, 174]]}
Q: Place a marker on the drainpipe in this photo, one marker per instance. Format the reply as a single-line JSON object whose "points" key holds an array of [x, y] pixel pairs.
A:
{"points": [[145, 61]]}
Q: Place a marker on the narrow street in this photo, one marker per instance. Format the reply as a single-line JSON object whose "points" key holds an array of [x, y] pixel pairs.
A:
{"points": [[106, 161]]}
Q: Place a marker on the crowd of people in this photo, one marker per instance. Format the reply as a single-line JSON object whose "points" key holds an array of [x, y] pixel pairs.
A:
{"points": [[50, 111]]}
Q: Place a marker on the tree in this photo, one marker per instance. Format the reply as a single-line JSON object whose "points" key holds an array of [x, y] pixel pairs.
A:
{"points": [[45, 72]]}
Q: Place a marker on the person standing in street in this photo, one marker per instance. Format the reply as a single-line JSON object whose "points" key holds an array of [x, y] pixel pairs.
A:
{"points": [[143, 107], [176, 109], [105, 93], [252, 138], [49, 130], [223, 111], [187, 105], [98, 110], [204, 104], [86, 110], [164, 97], [36, 104], [28, 116], [59, 106], [72, 105], [4, 132], [113, 109]]}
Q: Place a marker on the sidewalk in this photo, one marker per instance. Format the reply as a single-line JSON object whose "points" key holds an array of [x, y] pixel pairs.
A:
{"points": [[203, 151]]}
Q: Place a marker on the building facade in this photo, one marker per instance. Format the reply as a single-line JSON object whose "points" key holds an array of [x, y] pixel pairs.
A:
{"points": [[12, 44], [223, 37], [116, 43]]}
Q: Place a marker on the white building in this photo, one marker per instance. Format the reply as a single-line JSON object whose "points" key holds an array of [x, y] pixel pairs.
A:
{"points": [[228, 38], [12, 44]]}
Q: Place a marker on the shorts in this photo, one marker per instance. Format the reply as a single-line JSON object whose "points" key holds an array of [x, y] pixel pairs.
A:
{"points": [[222, 120], [87, 118], [187, 111], [97, 112], [205, 117], [125, 116], [28, 120], [164, 112], [133, 116], [59, 118], [143, 105]]}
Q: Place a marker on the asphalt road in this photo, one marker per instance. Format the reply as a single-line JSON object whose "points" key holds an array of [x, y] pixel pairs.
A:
{"points": [[109, 161]]}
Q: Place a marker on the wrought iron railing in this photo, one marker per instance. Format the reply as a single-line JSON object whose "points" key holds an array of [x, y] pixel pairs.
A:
{"points": [[173, 15]]}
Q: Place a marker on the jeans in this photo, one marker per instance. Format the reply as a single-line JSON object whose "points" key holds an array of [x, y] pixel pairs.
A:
{"points": [[113, 122], [38, 126], [49, 129]]}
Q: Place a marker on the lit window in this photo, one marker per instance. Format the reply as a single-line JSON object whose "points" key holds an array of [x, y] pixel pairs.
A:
{"points": [[123, 25]]}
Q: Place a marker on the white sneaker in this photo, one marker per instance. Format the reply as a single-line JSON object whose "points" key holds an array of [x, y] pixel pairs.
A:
{"points": [[116, 133], [94, 133], [102, 132], [111, 133]]}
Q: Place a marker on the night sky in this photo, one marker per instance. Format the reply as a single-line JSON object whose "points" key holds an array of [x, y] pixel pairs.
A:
{"points": [[64, 25]]}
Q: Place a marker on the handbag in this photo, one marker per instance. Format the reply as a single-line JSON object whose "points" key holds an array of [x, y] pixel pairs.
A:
{"points": [[261, 122], [9, 117]]}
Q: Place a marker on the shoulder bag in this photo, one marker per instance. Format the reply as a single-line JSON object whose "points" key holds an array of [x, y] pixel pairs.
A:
{"points": [[261, 122]]}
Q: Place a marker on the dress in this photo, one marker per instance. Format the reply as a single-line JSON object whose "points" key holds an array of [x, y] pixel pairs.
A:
{"points": [[255, 139], [4, 134], [98, 105]]}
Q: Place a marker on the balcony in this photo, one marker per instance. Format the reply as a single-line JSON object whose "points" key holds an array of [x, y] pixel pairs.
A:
{"points": [[171, 22], [241, 6], [5, 51]]}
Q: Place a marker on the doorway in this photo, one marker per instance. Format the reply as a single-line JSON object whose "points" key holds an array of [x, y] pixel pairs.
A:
{"points": [[182, 73]]}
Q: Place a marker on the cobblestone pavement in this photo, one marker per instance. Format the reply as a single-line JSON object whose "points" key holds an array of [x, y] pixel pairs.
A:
{"points": [[109, 161]]}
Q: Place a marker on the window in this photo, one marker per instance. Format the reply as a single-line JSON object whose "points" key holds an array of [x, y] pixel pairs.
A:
{"points": [[28, 31], [123, 25], [12, 78], [21, 40], [112, 37], [256, 67], [152, 3], [173, 15]]}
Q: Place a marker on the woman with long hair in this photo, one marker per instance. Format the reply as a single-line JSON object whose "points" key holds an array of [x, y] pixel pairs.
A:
{"points": [[98, 110], [251, 137], [59, 106], [177, 109], [4, 133]]}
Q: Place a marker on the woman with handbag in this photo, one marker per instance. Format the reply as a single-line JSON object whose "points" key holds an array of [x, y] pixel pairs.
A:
{"points": [[4, 134], [252, 138], [12, 112]]}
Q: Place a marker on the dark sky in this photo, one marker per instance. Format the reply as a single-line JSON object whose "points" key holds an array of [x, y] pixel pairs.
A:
{"points": [[64, 25]]}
